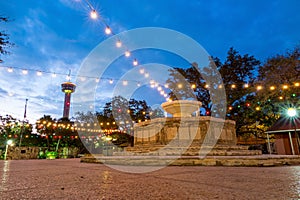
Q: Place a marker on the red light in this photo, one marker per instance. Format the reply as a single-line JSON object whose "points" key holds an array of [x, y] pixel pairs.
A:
{"points": [[247, 104]]}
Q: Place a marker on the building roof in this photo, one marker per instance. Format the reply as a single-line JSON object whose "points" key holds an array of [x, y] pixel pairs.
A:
{"points": [[285, 124]]}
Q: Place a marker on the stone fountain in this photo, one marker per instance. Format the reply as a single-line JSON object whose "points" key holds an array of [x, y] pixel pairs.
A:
{"points": [[187, 139], [181, 108]]}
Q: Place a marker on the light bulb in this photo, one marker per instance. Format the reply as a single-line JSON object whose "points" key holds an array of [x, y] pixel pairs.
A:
{"points": [[125, 82], [119, 44], [127, 53], [135, 62], [259, 87], [25, 71], [93, 14], [142, 70], [107, 30]]}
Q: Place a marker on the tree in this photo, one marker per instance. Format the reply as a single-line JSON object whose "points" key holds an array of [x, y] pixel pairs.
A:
{"points": [[236, 71], [119, 114], [157, 113], [279, 77], [4, 39], [12, 127], [45, 127]]}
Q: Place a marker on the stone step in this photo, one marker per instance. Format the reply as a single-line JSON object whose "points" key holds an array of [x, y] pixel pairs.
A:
{"points": [[190, 153], [257, 161], [190, 148]]}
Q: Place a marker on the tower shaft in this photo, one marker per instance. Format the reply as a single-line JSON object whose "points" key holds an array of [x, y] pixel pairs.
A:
{"points": [[67, 105]]}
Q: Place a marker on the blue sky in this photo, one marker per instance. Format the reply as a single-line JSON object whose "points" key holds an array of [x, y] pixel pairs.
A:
{"points": [[56, 36]]}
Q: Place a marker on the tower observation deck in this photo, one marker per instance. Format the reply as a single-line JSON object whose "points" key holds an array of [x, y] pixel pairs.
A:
{"points": [[68, 88]]}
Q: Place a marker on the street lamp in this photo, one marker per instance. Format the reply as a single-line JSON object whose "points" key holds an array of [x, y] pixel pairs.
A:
{"points": [[292, 113], [8, 143]]}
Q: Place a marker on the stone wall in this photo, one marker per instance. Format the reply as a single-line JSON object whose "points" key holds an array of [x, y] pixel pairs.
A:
{"points": [[18, 153], [162, 131], [23, 153]]}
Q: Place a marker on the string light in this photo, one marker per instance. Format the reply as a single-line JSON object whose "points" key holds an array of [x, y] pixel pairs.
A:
{"points": [[142, 70], [24, 71], [125, 83], [135, 62], [285, 87], [119, 44], [259, 87], [233, 86], [97, 80], [39, 73], [272, 88], [10, 69], [108, 30], [111, 81], [246, 85], [93, 14], [127, 53], [152, 82]]}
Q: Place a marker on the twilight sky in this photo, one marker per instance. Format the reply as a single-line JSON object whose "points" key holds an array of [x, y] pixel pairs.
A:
{"points": [[56, 36]]}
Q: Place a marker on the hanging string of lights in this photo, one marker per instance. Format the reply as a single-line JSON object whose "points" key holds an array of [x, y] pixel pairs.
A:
{"points": [[152, 82]]}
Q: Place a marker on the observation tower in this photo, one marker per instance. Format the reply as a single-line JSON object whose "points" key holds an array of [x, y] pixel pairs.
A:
{"points": [[68, 88]]}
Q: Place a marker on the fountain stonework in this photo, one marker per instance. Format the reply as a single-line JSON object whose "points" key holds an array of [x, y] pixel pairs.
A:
{"points": [[184, 139], [183, 130]]}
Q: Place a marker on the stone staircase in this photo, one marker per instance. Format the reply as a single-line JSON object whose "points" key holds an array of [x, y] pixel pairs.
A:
{"points": [[193, 150]]}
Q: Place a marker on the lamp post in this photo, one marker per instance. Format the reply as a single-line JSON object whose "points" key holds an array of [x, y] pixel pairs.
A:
{"points": [[22, 130], [8, 143], [292, 113]]}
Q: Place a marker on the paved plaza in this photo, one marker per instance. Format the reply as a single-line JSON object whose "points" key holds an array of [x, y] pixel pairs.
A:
{"points": [[71, 179]]}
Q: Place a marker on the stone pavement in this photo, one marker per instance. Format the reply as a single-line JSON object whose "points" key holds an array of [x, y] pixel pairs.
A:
{"points": [[71, 179]]}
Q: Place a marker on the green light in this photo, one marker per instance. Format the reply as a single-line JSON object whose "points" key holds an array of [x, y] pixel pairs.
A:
{"points": [[293, 95]]}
